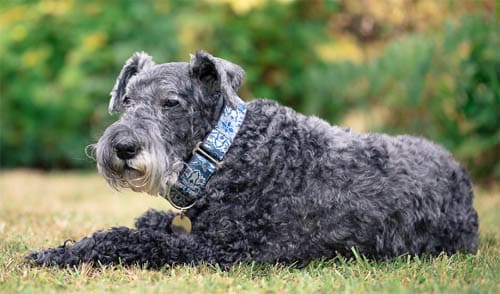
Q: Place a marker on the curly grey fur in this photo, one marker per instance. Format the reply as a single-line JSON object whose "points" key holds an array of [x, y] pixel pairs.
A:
{"points": [[292, 188]]}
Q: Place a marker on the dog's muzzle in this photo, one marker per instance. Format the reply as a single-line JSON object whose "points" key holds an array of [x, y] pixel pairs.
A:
{"points": [[126, 163]]}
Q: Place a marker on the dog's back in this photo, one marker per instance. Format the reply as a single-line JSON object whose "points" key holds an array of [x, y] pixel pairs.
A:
{"points": [[325, 189]]}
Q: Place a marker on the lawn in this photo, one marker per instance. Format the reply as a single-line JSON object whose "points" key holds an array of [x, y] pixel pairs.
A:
{"points": [[41, 210]]}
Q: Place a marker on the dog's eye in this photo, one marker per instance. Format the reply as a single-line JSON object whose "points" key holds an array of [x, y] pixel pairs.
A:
{"points": [[126, 101], [169, 103]]}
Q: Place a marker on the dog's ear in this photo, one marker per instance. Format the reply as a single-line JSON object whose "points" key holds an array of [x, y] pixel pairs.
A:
{"points": [[218, 75], [135, 64]]}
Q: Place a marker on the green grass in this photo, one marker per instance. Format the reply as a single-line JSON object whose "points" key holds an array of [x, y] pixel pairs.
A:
{"points": [[41, 210]]}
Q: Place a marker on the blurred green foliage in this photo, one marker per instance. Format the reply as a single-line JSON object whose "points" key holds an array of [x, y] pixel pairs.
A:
{"points": [[433, 71], [444, 87]]}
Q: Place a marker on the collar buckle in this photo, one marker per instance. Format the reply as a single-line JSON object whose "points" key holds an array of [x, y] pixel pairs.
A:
{"points": [[197, 148]]}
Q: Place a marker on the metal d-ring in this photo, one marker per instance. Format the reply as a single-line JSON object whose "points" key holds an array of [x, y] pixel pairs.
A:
{"points": [[181, 208]]}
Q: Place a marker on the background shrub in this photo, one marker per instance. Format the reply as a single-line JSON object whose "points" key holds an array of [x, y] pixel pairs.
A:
{"points": [[429, 68]]}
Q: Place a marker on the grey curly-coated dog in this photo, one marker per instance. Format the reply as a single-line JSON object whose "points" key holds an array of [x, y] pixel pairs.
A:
{"points": [[290, 188]]}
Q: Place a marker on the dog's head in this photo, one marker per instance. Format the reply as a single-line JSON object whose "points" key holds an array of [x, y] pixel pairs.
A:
{"points": [[166, 109]]}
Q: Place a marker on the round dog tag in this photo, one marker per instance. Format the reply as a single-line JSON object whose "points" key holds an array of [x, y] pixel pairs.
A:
{"points": [[181, 225]]}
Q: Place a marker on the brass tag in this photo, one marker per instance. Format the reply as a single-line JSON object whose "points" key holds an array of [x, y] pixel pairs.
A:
{"points": [[181, 225]]}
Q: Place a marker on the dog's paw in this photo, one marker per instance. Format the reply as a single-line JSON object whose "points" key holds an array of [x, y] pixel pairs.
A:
{"points": [[59, 256], [32, 256], [47, 257]]}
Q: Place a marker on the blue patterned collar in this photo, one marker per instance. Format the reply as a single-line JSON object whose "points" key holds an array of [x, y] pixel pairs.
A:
{"points": [[207, 157]]}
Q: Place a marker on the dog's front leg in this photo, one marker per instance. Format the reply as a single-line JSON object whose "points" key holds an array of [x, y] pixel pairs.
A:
{"points": [[128, 246], [155, 220]]}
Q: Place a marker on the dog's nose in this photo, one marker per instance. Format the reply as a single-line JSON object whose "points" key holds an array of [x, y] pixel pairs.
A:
{"points": [[126, 150]]}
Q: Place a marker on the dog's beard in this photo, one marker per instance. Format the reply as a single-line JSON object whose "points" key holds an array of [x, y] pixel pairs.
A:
{"points": [[141, 173], [149, 172]]}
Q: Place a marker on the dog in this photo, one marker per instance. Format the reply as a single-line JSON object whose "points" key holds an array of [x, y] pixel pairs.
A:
{"points": [[259, 182]]}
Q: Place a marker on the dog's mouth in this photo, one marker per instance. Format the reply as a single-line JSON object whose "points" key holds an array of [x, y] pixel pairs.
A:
{"points": [[132, 175], [135, 173], [140, 176], [136, 177]]}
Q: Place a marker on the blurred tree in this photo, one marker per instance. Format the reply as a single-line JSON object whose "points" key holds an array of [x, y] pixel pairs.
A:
{"points": [[59, 60]]}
